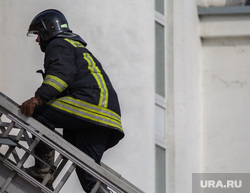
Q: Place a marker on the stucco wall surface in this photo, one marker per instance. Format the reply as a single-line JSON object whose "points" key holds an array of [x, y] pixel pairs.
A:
{"points": [[121, 35]]}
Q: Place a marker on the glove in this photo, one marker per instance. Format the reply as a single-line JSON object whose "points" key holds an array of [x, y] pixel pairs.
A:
{"points": [[27, 108]]}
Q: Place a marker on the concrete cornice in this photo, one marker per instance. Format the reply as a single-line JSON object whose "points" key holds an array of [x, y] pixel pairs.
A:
{"points": [[227, 10], [219, 22]]}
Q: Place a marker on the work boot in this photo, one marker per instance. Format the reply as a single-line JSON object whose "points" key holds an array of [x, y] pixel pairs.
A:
{"points": [[40, 170], [39, 174]]}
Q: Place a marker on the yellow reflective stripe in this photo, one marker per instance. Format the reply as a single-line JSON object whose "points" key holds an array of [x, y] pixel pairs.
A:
{"points": [[75, 43], [91, 107], [97, 115], [55, 82], [95, 71]]}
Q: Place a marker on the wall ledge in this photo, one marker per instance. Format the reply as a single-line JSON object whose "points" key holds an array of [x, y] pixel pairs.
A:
{"points": [[225, 10], [221, 22]]}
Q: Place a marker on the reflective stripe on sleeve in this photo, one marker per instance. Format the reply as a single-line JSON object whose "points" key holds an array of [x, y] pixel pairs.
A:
{"points": [[88, 111], [55, 82]]}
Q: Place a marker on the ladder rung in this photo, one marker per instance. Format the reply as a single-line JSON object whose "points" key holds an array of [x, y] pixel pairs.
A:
{"points": [[7, 141], [8, 130], [8, 181], [61, 166], [65, 177], [96, 187]]}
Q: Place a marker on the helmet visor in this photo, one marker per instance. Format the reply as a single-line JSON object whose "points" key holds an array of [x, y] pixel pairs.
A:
{"points": [[32, 33]]}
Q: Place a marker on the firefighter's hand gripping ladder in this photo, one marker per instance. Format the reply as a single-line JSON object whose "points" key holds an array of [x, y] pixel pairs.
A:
{"points": [[19, 135]]}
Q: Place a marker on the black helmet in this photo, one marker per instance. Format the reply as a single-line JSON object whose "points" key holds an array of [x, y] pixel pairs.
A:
{"points": [[48, 24]]}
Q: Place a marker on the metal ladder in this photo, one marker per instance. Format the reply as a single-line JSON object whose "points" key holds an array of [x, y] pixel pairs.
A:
{"points": [[19, 135]]}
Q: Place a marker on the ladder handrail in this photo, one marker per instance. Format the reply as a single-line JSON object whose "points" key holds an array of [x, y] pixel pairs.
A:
{"points": [[11, 109]]}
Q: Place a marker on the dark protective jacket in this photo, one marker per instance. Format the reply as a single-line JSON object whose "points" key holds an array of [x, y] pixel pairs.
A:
{"points": [[75, 83]]}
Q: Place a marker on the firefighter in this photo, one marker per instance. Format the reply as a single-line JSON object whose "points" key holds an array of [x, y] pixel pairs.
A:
{"points": [[76, 95]]}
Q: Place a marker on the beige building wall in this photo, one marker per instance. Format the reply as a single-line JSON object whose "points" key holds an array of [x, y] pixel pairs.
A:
{"points": [[207, 78], [121, 35], [225, 90]]}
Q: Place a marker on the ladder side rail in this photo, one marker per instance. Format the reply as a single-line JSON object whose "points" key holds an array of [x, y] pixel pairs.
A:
{"points": [[88, 169], [65, 177], [76, 156], [73, 151], [29, 151], [79, 163], [16, 167], [27, 176], [19, 162], [120, 176], [35, 133], [67, 149], [8, 181]]}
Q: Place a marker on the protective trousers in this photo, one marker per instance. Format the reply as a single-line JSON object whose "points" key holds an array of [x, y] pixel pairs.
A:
{"points": [[90, 138]]}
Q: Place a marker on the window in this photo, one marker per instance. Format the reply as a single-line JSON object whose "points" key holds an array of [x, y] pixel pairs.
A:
{"points": [[160, 145], [160, 98], [160, 186], [159, 6], [159, 60]]}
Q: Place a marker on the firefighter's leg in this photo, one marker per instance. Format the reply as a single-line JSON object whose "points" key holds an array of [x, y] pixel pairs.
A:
{"points": [[40, 169], [92, 141], [43, 151]]}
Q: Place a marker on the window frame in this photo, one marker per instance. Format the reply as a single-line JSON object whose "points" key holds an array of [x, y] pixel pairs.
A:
{"points": [[161, 101]]}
